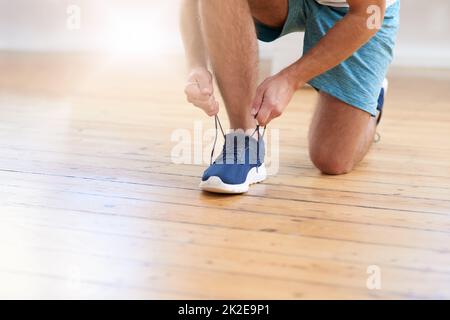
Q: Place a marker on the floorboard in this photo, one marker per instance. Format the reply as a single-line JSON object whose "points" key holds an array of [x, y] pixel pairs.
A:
{"points": [[92, 204]]}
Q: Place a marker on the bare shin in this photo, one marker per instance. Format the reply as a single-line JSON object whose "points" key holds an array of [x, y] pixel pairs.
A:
{"points": [[231, 42]]}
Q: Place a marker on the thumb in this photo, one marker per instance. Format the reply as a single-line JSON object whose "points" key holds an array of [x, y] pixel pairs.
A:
{"points": [[205, 83], [258, 100]]}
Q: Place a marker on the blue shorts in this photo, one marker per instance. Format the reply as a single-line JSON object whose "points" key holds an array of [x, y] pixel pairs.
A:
{"points": [[358, 80]]}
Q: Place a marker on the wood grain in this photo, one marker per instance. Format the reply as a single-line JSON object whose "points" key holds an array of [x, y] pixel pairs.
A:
{"points": [[92, 206]]}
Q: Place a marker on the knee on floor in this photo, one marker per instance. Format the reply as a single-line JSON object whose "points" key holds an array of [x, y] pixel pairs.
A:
{"points": [[331, 161]]}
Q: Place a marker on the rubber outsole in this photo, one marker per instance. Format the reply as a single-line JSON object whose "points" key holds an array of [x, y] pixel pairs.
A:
{"points": [[216, 185]]}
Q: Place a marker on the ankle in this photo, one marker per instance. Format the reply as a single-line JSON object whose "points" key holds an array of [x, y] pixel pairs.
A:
{"points": [[244, 126]]}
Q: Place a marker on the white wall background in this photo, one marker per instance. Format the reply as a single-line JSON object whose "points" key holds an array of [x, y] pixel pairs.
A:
{"points": [[151, 26], [423, 40]]}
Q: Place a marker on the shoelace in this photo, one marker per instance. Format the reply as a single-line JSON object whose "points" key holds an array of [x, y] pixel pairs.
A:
{"points": [[216, 122], [218, 125]]}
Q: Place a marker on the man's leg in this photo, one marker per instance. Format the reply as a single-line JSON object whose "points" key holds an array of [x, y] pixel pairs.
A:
{"points": [[230, 36], [340, 135]]}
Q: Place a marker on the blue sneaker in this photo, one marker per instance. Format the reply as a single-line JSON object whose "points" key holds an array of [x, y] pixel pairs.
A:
{"points": [[240, 164]]}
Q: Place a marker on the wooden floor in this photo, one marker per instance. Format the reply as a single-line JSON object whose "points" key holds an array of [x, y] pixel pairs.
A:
{"points": [[93, 207]]}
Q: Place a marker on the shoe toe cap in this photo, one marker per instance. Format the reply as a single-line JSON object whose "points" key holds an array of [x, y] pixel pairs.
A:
{"points": [[229, 174]]}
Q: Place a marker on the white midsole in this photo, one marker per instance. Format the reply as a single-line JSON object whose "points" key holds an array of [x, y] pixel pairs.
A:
{"points": [[215, 184]]}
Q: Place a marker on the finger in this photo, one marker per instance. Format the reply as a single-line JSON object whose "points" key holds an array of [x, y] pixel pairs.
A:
{"points": [[273, 115], [209, 100], [214, 110], [264, 113], [258, 100], [213, 107], [208, 106], [205, 105], [193, 93], [204, 83]]}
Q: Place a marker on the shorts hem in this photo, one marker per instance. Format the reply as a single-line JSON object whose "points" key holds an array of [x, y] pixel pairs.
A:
{"points": [[366, 107]]}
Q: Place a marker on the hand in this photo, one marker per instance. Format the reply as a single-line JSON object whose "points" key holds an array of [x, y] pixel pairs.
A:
{"points": [[272, 97], [200, 91]]}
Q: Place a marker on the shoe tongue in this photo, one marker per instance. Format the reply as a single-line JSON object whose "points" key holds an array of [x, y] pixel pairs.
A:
{"points": [[241, 149]]}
